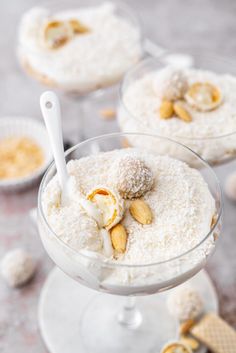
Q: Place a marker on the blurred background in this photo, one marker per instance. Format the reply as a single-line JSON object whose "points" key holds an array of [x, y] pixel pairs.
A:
{"points": [[174, 24]]}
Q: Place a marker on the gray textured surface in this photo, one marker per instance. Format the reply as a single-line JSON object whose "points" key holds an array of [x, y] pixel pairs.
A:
{"points": [[207, 24]]}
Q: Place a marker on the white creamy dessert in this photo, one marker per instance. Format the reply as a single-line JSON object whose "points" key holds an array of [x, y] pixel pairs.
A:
{"points": [[208, 100], [79, 49], [163, 208]]}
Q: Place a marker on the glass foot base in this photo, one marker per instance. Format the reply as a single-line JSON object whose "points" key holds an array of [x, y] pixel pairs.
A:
{"points": [[76, 319]]}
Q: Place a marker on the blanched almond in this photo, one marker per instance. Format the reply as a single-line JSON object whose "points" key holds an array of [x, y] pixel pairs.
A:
{"points": [[119, 238], [181, 112], [166, 109], [141, 212]]}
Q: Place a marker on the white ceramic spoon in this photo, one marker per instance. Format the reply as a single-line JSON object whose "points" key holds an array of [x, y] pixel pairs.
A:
{"points": [[51, 111]]}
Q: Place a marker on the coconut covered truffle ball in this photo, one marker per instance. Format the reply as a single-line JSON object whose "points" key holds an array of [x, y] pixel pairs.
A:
{"points": [[230, 186], [17, 267], [185, 303], [134, 178], [171, 84]]}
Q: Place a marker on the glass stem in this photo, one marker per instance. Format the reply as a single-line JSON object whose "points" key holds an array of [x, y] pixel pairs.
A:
{"points": [[82, 118], [130, 316]]}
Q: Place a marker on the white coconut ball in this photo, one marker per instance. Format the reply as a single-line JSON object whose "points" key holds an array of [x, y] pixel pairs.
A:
{"points": [[17, 267], [230, 186], [170, 83], [185, 303]]}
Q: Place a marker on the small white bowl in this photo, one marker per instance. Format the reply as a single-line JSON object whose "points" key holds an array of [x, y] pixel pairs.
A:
{"points": [[25, 127]]}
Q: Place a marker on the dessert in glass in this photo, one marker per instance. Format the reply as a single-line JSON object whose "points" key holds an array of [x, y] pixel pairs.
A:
{"points": [[83, 51], [137, 222], [78, 49], [193, 105]]}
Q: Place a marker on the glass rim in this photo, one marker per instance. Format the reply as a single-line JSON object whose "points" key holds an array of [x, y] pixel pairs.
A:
{"points": [[125, 265], [194, 52]]}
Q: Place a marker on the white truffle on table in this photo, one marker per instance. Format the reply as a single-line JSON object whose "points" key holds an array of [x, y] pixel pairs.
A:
{"points": [[230, 186], [17, 267], [185, 303]]}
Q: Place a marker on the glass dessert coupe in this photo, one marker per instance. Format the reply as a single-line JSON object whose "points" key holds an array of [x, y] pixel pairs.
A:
{"points": [[216, 148], [76, 319], [92, 99]]}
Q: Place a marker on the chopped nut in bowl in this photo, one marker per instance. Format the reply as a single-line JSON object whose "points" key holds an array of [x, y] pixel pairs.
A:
{"points": [[24, 152]]}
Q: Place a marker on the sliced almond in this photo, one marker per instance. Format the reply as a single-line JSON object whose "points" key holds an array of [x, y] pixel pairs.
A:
{"points": [[108, 113], [56, 34], [119, 238], [191, 342], [166, 109], [141, 212], [78, 27], [186, 326], [181, 112]]}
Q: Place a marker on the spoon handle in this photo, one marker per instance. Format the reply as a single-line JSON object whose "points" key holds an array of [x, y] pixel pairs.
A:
{"points": [[51, 111]]}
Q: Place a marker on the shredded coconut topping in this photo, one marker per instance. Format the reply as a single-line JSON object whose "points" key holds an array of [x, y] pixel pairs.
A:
{"points": [[180, 200]]}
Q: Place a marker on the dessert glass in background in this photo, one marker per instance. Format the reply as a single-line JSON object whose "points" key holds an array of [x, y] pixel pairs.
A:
{"points": [[112, 330], [211, 134], [25, 152], [86, 59], [25, 155]]}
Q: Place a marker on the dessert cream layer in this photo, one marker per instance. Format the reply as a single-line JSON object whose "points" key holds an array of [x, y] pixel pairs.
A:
{"points": [[80, 49], [208, 124], [163, 207]]}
